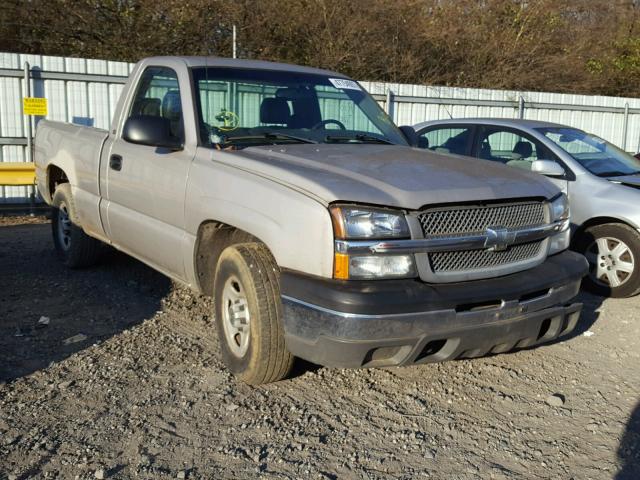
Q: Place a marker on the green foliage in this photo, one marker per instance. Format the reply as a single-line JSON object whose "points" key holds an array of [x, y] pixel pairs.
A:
{"points": [[627, 59]]}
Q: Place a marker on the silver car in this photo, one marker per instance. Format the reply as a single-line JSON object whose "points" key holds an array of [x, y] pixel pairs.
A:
{"points": [[602, 182]]}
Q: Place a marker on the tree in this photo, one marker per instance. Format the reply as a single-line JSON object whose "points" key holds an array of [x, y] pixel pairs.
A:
{"points": [[581, 46]]}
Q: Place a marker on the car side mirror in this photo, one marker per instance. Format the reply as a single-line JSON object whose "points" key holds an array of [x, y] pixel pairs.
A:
{"points": [[548, 168], [410, 134], [150, 130]]}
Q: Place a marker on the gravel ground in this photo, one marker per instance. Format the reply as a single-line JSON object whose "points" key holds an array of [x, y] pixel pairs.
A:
{"points": [[123, 379]]}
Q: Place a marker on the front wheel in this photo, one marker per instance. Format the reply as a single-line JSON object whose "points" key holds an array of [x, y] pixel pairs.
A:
{"points": [[248, 313], [613, 252]]}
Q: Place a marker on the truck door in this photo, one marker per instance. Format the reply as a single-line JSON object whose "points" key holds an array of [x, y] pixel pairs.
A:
{"points": [[145, 185]]}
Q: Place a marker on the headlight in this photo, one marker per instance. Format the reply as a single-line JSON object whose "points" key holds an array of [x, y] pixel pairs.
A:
{"points": [[361, 223], [560, 213], [560, 208], [357, 223]]}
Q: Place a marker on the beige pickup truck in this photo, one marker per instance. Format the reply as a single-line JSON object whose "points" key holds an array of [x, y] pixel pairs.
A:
{"points": [[288, 195]]}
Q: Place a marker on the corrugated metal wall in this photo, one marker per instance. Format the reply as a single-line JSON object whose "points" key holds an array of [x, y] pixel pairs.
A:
{"points": [[79, 101], [89, 94], [603, 116]]}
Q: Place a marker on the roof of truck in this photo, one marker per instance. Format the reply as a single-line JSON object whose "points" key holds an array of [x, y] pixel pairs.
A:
{"points": [[247, 64], [503, 122]]}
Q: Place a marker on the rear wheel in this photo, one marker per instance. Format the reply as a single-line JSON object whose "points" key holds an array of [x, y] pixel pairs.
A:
{"points": [[74, 247], [613, 252], [248, 313]]}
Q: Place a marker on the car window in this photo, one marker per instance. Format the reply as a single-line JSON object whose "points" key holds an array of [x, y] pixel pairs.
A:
{"points": [[451, 140], [158, 95], [511, 148], [593, 153]]}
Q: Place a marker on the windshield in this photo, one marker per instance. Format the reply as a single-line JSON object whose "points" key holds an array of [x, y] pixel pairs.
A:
{"points": [[244, 107], [593, 153]]}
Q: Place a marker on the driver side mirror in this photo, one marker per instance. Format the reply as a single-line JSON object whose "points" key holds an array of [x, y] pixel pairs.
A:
{"points": [[150, 130], [548, 168], [410, 134]]}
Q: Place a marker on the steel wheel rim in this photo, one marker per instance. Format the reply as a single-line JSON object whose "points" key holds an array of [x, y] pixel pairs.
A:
{"points": [[64, 227], [611, 262], [236, 319]]}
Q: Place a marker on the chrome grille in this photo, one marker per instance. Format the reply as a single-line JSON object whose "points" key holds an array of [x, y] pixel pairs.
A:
{"points": [[475, 219], [474, 259]]}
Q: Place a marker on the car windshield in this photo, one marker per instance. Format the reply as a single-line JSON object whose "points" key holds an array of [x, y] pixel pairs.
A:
{"points": [[593, 153], [245, 107]]}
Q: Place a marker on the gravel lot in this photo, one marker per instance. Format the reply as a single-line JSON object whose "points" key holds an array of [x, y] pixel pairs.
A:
{"points": [[123, 379]]}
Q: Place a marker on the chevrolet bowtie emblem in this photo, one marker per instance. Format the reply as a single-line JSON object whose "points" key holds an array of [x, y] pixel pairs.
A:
{"points": [[498, 238]]}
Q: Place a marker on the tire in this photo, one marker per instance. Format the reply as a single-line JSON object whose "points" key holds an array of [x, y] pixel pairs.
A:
{"points": [[613, 252], [247, 278], [75, 248]]}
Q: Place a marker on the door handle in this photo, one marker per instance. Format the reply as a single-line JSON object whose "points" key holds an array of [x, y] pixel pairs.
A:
{"points": [[115, 162]]}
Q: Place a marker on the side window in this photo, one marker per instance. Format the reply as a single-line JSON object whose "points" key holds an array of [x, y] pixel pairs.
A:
{"points": [[452, 140], [510, 148], [158, 95]]}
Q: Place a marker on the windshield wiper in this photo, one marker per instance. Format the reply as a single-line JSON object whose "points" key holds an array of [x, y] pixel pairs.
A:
{"points": [[361, 137], [271, 136]]}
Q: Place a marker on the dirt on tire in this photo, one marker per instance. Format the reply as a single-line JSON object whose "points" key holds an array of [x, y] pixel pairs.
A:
{"points": [[114, 372]]}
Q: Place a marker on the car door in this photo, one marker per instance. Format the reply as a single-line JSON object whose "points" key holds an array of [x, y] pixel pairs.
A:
{"points": [[145, 185], [452, 139], [514, 148]]}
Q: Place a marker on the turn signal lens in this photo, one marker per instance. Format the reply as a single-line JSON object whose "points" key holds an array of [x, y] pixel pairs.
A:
{"points": [[341, 266]]}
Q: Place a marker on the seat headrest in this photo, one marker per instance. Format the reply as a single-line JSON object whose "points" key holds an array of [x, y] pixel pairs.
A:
{"points": [[147, 106], [171, 107], [522, 150], [275, 110], [456, 144]]}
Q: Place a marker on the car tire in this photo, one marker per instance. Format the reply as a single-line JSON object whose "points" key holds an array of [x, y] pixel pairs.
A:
{"points": [[75, 248], [613, 252], [248, 313]]}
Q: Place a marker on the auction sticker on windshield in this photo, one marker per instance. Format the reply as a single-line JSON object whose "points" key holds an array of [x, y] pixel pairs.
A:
{"points": [[345, 84]]}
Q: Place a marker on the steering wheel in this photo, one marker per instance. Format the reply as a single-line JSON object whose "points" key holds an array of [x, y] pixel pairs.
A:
{"points": [[328, 121]]}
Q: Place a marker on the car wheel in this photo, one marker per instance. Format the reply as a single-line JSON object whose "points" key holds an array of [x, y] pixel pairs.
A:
{"points": [[248, 313], [74, 247], [613, 253]]}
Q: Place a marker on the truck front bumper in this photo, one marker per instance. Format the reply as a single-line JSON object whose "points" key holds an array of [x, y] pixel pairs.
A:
{"points": [[404, 322]]}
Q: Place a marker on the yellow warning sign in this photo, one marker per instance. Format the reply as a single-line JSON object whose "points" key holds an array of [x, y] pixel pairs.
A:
{"points": [[34, 106]]}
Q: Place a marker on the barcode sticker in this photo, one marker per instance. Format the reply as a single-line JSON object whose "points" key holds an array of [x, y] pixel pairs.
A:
{"points": [[345, 84]]}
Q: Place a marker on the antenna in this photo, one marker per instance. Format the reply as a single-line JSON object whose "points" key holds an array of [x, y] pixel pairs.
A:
{"points": [[233, 34], [448, 112]]}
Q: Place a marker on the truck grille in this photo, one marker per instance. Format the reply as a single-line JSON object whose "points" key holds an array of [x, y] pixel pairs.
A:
{"points": [[474, 219], [473, 259]]}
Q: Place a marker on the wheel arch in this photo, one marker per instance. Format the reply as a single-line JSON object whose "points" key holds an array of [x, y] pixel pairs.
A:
{"points": [[212, 238], [595, 221], [55, 176]]}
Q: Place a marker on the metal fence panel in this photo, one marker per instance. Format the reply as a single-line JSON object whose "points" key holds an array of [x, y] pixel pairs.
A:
{"points": [[78, 99], [85, 91]]}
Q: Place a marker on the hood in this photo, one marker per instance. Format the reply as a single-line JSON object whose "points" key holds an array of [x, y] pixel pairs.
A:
{"points": [[389, 175], [632, 181]]}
